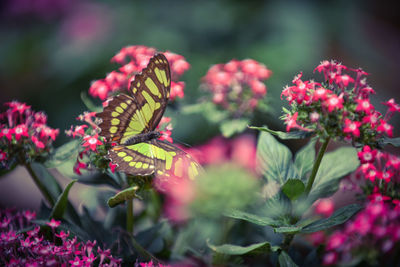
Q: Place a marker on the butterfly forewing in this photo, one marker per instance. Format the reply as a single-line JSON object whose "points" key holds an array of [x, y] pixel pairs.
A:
{"points": [[120, 119], [127, 116], [151, 90]]}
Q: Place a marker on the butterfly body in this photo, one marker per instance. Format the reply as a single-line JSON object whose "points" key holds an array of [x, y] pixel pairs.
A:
{"points": [[143, 137], [131, 121]]}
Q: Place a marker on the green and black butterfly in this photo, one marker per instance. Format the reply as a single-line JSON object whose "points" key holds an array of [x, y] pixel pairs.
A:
{"points": [[131, 121]]}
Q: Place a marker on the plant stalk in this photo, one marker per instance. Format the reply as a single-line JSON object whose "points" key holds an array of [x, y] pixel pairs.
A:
{"points": [[316, 165], [286, 242], [39, 184], [129, 216]]}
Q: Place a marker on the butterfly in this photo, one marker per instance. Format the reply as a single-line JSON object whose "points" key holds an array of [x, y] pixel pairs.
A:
{"points": [[131, 121]]}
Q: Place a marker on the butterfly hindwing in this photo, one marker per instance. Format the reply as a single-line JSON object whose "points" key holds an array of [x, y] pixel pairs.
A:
{"points": [[154, 156], [181, 164], [133, 159]]}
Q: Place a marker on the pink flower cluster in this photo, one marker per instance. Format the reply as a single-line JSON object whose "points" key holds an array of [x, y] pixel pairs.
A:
{"points": [[339, 107], [132, 60], [378, 166], [237, 85], [21, 127], [241, 150], [91, 141], [150, 264], [19, 247], [375, 228]]}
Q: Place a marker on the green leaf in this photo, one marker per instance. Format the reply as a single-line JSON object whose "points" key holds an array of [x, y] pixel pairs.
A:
{"points": [[231, 127], [259, 220], [124, 195], [284, 135], [293, 188], [285, 260], [392, 141], [304, 159], [241, 250], [287, 229], [66, 152], [89, 103], [338, 217], [274, 159], [47, 179], [333, 167], [62, 202]]}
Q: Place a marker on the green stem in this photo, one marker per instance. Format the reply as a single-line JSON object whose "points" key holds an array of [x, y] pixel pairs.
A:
{"points": [[39, 184], [316, 165], [129, 216], [286, 242]]}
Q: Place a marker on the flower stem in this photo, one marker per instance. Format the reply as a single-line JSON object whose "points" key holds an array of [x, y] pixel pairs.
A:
{"points": [[316, 165], [129, 216], [39, 184]]}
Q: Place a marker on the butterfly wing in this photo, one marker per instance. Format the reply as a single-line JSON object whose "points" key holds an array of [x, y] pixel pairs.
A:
{"points": [[121, 119], [151, 89], [154, 157], [126, 116], [180, 165]]}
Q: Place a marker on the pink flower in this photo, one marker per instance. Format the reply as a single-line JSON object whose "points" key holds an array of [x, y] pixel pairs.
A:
{"points": [[21, 130], [78, 166], [321, 94], [330, 258], [385, 127], [363, 105], [243, 151], [53, 223], [99, 89], [78, 131], [49, 132], [18, 107], [177, 90], [344, 80], [258, 87], [325, 207], [392, 105], [7, 133], [112, 166], [367, 155], [372, 119], [166, 136], [39, 144], [291, 121], [334, 102], [91, 142], [352, 127], [76, 262], [336, 240]]}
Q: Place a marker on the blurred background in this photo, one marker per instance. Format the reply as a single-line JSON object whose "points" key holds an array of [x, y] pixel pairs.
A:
{"points": [[51, 50]]}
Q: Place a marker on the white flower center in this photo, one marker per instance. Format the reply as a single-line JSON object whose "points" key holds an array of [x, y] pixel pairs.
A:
{"points": [[92, 141]]}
